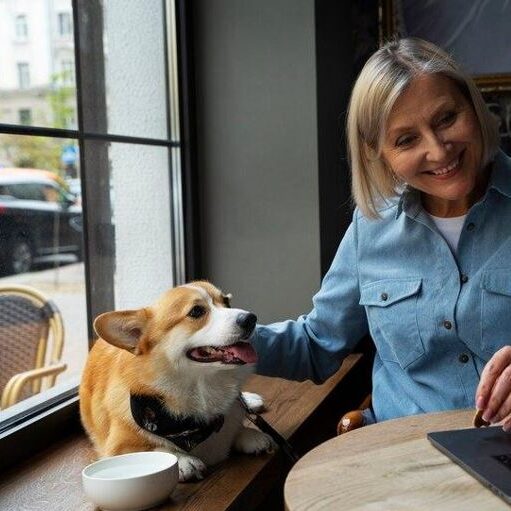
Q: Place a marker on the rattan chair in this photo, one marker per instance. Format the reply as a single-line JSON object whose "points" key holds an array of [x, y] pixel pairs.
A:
{"points": [[31, 343]]}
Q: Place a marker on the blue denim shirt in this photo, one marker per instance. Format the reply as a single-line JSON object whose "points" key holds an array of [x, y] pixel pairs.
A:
{"points": [[435, 319]]}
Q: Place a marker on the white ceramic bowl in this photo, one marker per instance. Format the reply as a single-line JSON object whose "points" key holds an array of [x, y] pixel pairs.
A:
{"points": [[131, 482]]}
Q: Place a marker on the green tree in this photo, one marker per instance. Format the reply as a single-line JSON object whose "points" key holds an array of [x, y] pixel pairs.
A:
{"points": [[32, 152], [61, 99]]}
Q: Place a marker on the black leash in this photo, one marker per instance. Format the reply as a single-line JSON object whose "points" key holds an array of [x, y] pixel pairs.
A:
{"points": [[260, 423]]}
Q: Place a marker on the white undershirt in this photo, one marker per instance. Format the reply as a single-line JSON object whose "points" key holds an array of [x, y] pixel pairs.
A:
{"points": [[450, 229]]}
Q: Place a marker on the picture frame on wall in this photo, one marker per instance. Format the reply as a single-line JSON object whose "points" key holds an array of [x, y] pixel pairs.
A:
{"points": [[476, 33]]}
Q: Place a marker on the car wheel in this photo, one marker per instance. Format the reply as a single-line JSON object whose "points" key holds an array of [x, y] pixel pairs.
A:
{"points": [[20, 258]]}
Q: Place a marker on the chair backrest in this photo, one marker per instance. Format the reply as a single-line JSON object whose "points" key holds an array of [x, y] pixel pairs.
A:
{"points": [[28, 321]]}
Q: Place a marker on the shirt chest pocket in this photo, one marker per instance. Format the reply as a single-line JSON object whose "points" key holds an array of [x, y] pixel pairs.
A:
{"points": [[391, 307], [495, 310]]}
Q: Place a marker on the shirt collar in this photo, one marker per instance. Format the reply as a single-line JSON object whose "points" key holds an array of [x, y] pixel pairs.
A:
{"points": [[409, 202], [500, 180]]}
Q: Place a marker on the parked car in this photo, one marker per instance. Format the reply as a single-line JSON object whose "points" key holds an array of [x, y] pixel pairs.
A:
{"points": [[39, 219]]}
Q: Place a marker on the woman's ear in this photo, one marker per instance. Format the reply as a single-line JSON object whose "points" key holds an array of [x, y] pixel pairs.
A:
{"points": [[370, 153], [123, 329]]}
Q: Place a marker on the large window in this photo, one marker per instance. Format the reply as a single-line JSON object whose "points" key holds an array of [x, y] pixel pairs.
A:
{"points": [[65, 24], [23, 75], [21, 27], [90, 198]]}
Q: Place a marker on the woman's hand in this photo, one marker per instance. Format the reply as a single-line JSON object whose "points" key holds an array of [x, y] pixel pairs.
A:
{"points": [[493, 394]]}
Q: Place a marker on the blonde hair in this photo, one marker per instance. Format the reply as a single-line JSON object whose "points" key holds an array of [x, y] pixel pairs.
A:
{"points": [[384, 77]]}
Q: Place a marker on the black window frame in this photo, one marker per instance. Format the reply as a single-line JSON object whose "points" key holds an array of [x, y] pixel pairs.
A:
{"points": [[25, 434]]}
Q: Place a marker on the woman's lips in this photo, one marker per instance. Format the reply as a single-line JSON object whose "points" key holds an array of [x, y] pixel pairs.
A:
{"points": [[449, 171]]}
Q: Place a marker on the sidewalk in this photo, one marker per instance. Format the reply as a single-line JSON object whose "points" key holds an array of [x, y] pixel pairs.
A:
{"points": [[65, 285]]}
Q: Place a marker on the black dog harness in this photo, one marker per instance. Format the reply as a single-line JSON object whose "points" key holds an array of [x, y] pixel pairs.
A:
{"points": [[187, 431], [151, 414]]}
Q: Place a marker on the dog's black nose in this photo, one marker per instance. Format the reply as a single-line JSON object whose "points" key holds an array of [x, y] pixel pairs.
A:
{"points": [[246, 321]]}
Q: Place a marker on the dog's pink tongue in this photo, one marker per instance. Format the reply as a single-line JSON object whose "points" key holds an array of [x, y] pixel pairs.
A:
{"points": [[244, 351]]}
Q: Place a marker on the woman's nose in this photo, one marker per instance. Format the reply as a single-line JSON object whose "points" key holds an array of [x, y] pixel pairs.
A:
{"points": [[436, 148]]}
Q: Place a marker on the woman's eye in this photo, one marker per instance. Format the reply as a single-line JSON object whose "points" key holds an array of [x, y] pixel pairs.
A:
{"points": [[197, 311], [404, 141], [448, 118]]}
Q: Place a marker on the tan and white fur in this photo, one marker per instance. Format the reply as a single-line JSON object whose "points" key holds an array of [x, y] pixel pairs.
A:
{"points": [[151, 351]]}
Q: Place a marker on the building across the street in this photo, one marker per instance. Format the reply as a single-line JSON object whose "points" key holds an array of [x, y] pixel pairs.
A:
{"points": [[37, 63]]}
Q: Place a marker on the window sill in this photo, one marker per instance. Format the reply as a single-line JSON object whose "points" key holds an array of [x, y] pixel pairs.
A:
{"points": [[23, 407]]}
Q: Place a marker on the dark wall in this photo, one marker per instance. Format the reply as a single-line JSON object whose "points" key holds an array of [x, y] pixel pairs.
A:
{"points": [[346, 34]]}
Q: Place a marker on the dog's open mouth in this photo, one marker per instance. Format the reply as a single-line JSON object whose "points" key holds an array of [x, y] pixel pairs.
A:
{"points": [[239, 353]]}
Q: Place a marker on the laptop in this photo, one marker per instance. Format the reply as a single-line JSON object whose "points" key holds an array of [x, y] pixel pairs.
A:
{"points": [[484, 453]]}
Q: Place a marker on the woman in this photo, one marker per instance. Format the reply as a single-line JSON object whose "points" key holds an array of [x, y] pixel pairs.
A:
{"points": [[424, 267]]}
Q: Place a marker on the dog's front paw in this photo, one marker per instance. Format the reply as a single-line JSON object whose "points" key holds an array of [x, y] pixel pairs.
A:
{"points": [[190, 468], [253, 401], [252, 441]]}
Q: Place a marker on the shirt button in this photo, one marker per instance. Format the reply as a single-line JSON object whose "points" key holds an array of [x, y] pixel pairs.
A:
{"points": [[384, 297], [464, 279], [447, 324], [463, 358], [470, 226]]}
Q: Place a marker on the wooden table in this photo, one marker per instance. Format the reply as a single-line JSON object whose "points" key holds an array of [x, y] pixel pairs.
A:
{"points": [[388, 466]]}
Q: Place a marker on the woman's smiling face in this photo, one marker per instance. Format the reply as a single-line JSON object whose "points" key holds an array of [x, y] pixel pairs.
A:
{"points": [[433, 143]]}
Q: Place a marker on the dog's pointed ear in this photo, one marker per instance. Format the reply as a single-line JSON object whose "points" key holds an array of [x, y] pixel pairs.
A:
{"points": [[123, 329], [227, 297]]}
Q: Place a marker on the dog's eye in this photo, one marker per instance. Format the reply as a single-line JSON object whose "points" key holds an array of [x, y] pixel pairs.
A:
{"points": [[197, 311]]}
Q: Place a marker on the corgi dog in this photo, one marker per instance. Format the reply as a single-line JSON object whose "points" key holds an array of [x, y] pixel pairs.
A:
{"points": [[168, 377]]}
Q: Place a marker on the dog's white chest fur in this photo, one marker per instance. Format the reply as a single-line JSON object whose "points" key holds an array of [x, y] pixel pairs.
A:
{"points": [[217, 446]]}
